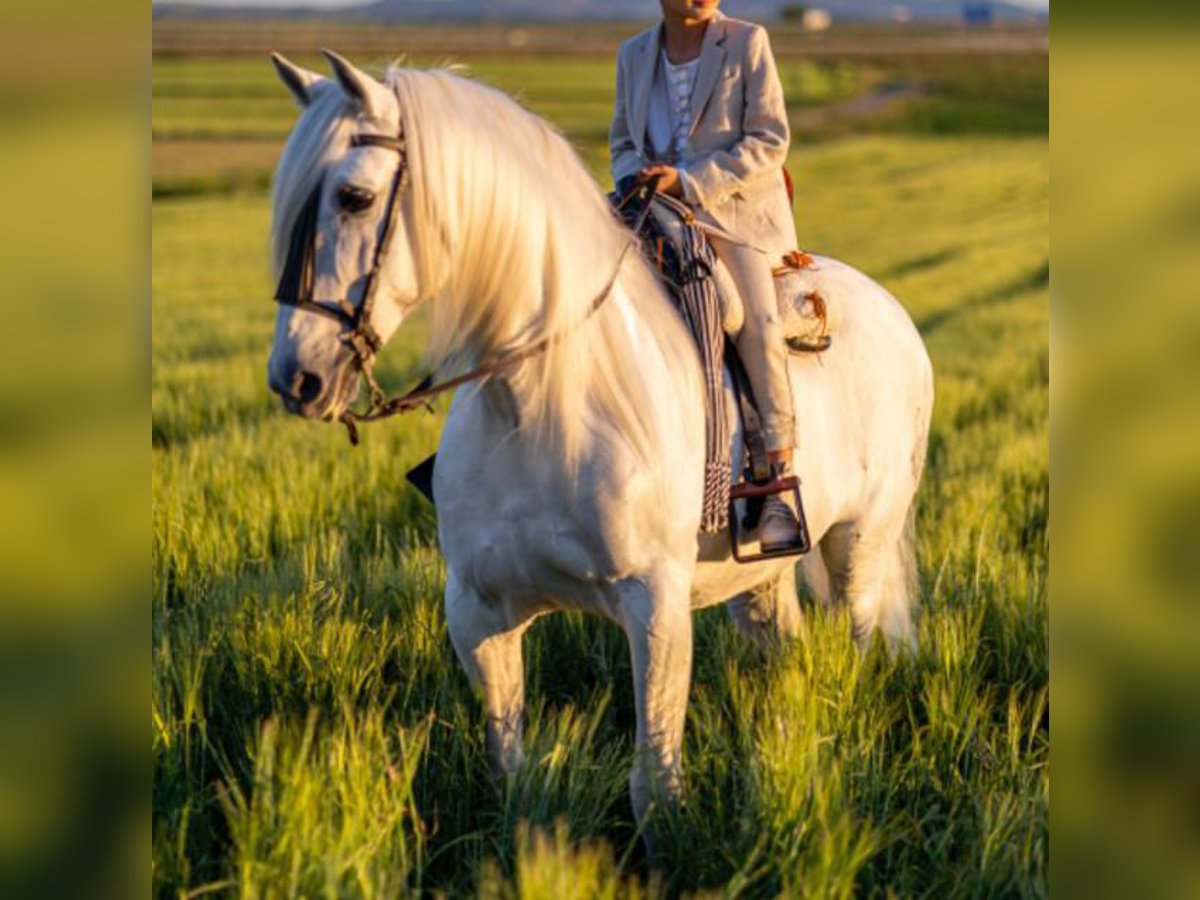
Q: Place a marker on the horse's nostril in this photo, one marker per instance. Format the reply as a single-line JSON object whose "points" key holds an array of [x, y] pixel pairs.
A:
{"points": [[310, 387]]}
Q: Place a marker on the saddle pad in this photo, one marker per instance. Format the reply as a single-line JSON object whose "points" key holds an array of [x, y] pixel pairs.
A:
{"points": [[686, 262]]}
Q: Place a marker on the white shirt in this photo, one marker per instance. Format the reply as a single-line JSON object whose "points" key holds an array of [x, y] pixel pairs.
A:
{"points": [[669, 115]]}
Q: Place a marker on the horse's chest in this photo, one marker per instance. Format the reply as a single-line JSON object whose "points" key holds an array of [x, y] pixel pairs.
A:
{"points": [[509, 526], [511, 555]]}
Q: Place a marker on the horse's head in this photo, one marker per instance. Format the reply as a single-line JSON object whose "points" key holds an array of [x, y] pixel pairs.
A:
{"points": [[340, 238]]}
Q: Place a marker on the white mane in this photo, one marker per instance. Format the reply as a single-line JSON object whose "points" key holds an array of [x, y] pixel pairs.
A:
{"points": [[531, 244], [512, 227]]}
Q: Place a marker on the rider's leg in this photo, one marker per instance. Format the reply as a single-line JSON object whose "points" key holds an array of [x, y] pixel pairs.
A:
{"points": [[761, 344], [764, 354]]}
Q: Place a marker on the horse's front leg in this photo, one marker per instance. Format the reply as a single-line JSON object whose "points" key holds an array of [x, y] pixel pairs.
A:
{"points": [[487, 639], [657, 620]]}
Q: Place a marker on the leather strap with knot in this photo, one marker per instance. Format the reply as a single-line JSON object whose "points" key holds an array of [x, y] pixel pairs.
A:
{"points": [[799, 261]]}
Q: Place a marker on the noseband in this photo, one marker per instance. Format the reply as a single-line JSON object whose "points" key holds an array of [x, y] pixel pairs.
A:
{"points": [[296, 290]]}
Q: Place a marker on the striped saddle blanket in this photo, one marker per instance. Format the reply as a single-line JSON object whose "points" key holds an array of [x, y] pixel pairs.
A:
{"points": [[686, 264]]}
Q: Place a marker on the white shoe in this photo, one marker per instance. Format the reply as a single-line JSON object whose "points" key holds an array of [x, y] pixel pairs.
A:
{"points": [[780, 528]]}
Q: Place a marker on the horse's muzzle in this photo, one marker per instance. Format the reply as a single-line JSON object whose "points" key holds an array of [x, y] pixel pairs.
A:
{"points": [[313, 396]]}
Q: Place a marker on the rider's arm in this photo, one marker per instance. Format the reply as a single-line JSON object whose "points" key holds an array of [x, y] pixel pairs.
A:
{"points": [[764, 142]]}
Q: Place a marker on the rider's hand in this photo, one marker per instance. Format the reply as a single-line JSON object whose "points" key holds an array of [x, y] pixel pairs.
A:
{"points": [[668, 182]]}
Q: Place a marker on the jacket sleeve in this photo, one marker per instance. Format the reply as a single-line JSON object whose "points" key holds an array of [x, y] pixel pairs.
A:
{"points": [[765, 135], [624, 158]]}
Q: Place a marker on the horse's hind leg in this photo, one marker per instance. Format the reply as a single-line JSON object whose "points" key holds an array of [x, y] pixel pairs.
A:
{"points": [[770, 613], [867, 566], [816, 578], [658, 624], [487, 639]]}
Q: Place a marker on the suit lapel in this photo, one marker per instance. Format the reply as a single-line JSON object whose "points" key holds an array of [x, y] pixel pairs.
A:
{"points": [[712, 62], [642, 78]]}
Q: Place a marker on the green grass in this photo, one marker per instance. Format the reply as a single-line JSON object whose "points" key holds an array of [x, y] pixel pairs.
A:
{"points": [[199, 101], [312, 733]]}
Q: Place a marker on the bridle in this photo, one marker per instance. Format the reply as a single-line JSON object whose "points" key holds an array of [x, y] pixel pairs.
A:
{"points": [[358, 334]]}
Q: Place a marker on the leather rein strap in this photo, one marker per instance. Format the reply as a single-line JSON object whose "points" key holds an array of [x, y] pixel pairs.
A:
{"points": [[296, 290]]}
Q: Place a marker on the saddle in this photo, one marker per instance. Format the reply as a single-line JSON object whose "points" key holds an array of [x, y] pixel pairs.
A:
{"points": [[677, 247]]}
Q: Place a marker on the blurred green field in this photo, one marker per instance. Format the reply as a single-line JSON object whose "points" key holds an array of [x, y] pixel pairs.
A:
{"points": [[200, 103], [313, 734]]}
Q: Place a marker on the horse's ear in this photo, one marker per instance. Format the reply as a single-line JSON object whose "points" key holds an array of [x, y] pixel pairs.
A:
{"points": [[374, 99], [297, 80]]}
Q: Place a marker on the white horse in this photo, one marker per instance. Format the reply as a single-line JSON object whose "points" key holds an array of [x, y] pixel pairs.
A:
{"points": [[573, 479]]}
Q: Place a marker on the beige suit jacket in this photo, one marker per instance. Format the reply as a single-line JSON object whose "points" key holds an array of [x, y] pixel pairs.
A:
{"points": [[739, 135]]}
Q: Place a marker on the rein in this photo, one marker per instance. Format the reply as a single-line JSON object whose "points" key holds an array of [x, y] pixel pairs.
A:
{"points": [[296, 289]]}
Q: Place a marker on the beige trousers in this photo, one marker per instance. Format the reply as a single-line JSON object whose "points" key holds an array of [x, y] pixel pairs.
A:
{"points": [[760, 343]]}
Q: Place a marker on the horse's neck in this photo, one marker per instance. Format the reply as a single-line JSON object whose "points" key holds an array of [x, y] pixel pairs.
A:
{"points": [[639, 368]]}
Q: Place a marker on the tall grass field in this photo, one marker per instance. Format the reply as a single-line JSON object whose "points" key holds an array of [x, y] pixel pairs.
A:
{"points": [[311, 731]]}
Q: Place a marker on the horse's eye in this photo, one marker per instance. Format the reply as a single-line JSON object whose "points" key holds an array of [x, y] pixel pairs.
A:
{"points": [[354, 199]]}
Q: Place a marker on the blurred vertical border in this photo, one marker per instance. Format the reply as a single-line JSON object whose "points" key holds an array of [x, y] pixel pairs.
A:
{"points": [[74, 453], [1125, 449]]}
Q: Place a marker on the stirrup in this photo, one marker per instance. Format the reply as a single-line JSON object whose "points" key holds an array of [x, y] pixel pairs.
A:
{"points": [[755, 493]]}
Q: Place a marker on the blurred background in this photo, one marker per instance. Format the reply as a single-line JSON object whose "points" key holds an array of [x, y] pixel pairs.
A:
{"points": [[933, 67]]}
